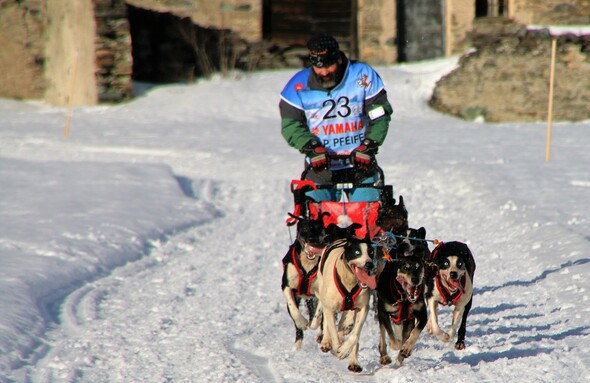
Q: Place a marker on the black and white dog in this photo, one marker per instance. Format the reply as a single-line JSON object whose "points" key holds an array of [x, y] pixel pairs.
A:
{"points": [[401, 309], [300, 271], [346, 275], [413, 242], [449, 282]]}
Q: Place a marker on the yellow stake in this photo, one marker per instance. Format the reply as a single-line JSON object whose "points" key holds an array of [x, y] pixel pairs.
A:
{"points": [[550, 107], [71, 94]]}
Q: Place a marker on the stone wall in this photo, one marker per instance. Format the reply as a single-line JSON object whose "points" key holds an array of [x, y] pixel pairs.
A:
{"points": [[22, 48], [459, 21], [65, 51], [70, 65], [551, 12], [507, 78], [88, 52], [377, 31], [241, 16], [113, 53]]}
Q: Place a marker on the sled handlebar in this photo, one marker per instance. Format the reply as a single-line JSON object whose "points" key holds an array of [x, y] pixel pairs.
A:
{"points": [[344, 162]]}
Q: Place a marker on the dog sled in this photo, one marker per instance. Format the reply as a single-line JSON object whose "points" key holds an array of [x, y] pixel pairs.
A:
{"points": [[366, 203], [357, 223], [329, 217]]}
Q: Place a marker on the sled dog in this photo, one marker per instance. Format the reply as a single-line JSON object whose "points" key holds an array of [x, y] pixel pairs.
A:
{"points": [[401, 309], [413, 242], [300, 270], [449, 282], [346, 275], [393, 217]]}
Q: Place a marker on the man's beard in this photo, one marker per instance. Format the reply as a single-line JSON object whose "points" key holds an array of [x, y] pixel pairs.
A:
{"points": [[328, 81]]}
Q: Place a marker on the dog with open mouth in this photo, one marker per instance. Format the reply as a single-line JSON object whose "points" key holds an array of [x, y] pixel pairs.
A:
{"points": [[346, 275], [449, 282], [401, 309], [300, 271]]}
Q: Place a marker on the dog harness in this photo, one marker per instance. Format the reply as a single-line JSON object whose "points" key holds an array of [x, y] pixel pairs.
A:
{"points": [[349, 296], [305, 278], [450, 297], [404, 302]]}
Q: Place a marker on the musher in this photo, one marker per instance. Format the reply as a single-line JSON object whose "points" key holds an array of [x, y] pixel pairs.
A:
{"points": [[335, 112]]}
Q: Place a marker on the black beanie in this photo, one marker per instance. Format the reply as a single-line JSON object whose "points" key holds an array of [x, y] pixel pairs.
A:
{"points": [[323, 50]]}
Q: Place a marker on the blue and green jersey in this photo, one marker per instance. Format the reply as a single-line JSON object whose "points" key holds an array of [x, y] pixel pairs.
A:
{"points": [[337, 117]]}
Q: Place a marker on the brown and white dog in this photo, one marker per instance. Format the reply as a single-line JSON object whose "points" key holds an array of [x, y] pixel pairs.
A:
{"points": [[300, 270], [346, 277], [401, 309], [449, 282]]}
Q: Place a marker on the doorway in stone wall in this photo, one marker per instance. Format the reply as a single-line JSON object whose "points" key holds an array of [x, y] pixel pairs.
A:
{"points": [[292, 22], [167, 48], [490, 8], [420, 33]]}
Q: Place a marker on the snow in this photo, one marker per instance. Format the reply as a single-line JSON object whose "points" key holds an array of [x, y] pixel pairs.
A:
{"points": [[556, 30], [146, 245]]}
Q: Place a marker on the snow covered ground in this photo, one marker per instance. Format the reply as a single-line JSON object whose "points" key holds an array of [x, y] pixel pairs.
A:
{"points": [[146, 246]]}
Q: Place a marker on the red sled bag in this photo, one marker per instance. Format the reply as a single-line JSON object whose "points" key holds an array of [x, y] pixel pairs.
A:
{"points": [[344, 214]]}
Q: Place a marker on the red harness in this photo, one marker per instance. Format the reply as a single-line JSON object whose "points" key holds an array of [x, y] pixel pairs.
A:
{"points": [[404, 303], [450, 297], [349, 296], [305, 278]]}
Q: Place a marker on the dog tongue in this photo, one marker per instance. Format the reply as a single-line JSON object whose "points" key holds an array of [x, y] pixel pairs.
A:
{"points": [[364, 278], [455, 284]]}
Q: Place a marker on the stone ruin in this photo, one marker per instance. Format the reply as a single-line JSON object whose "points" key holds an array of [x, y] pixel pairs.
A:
{"points": [[506, 77]]}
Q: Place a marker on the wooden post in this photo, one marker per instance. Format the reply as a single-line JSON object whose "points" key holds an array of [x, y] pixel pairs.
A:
{"points": [[71, 95], [550, 106]]}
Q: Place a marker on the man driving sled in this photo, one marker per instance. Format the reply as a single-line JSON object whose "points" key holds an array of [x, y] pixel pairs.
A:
{"points": [[335, 112]]}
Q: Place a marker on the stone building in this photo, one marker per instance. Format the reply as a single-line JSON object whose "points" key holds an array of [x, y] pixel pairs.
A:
{"points": [[89, 51], [506, 76]]}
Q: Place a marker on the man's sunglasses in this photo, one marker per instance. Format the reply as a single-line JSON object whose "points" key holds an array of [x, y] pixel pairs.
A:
{"points": [[321, 61]]}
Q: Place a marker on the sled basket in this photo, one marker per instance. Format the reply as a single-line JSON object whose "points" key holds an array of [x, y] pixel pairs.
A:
{"points": [[344, 204], [346, 213]]}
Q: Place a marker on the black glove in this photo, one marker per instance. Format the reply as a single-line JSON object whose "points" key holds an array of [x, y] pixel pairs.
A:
{"points": [[364, 154], [318, 157]]}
